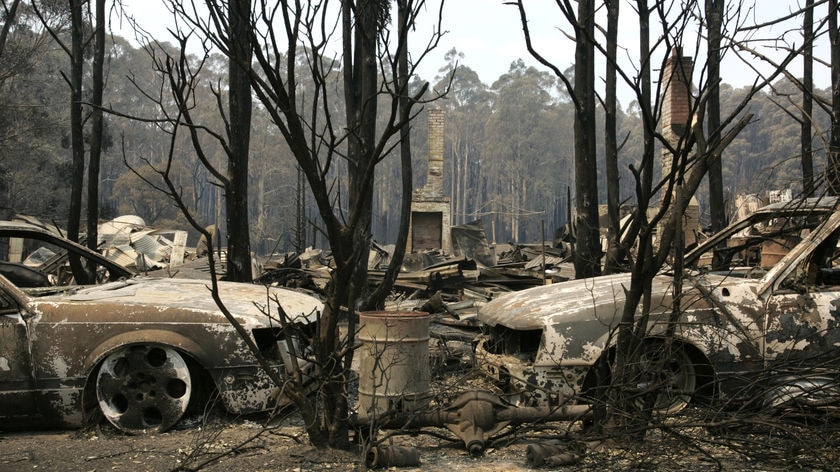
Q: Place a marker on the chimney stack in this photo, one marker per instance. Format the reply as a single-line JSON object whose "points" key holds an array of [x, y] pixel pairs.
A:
{"points": [[676, 105], [431, 218], [434, 180], [676, 113]]}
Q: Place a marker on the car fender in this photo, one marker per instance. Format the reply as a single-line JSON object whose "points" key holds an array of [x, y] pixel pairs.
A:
{"points": [[713, 343], [146, 336], [243, 389]]}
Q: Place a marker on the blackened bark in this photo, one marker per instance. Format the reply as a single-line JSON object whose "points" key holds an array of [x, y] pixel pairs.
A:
{"points": [[833, 165], [642, 271], [806, 145], [377, 298], [352, 242], [587, 247], [614, 253], [77, 140], [714, 20], [97, 131], [239, 101], [10, 12]]}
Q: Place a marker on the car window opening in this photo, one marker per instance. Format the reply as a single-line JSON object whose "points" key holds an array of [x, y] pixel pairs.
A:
{"points": [[515, 342]]}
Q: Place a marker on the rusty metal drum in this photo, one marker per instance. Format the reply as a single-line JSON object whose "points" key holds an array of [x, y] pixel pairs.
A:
{"points": [[393, 362]]}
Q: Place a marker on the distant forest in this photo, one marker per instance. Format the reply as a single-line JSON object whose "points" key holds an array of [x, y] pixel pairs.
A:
{"points": [[508, 150]]}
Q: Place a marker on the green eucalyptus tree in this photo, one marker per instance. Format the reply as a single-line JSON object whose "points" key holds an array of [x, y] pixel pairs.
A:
{"points": [[469, 106], [512, 149], [33, 164]]}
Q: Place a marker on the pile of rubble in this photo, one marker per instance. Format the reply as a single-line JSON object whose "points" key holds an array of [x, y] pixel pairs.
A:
{"points": [[450, 286]]}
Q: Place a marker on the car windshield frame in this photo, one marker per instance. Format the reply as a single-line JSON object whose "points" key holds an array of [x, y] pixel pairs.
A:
{"points": [[12, 229], [793, 259], [820, 207]]}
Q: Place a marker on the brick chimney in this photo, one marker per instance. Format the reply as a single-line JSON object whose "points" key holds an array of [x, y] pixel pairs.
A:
{"points": [[434, 179], [676, 103], [676, 113], [430, 224]]}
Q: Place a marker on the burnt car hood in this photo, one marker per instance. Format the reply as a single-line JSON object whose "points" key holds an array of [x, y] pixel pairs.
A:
{"points": [[185, 299], [602, 298], [572, 301]]}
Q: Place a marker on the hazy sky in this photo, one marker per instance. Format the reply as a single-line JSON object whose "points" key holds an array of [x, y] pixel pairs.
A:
{"points": [[493, 38], [489, 34]]}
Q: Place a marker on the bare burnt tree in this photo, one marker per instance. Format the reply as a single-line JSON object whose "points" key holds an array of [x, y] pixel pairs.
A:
{"points": [[10, 13], [76, 51], [833, 164], [806, 138], [239, 132], [614, 251], [587, 241], [97, 129], [87, 29], [337, 153], [714, 19], [77, 39], [233, 109], [693, 152], [581, 89], [655, 230]]}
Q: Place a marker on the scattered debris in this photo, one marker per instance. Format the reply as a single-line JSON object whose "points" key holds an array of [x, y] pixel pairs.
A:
{"points": [[127, 241], [392, 456]]}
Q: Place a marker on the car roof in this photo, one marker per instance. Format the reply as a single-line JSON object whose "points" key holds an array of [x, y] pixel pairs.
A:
{"points": [[25, 226], [817, 204], [24, 229], [803, 249], [797, 207]]}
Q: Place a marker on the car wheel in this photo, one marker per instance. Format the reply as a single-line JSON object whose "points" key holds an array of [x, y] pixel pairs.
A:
{"points": [[670, 373], [144, 388]]}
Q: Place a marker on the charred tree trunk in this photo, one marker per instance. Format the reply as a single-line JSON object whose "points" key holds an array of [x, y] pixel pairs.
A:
{"points": [[239, 102], [637, 295], [77, 139], [587, 248], [97, 131], [377, 298], [352, 242], [615, 253], [714, 20], [806, 145], [833, 165], [10, 12], [300, 212], [321, 149]]}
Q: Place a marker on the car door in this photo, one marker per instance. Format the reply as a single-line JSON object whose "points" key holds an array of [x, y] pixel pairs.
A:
{"points": [[17, 396], [802, 312], [800, 327]]}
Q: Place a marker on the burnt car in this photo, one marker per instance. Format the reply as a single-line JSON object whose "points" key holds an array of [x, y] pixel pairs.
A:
{"points": [[140, 350], [757, 318]]}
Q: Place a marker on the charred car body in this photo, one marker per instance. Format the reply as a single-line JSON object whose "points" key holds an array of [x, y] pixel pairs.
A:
{"points": [[139, 349], [767, 315]]}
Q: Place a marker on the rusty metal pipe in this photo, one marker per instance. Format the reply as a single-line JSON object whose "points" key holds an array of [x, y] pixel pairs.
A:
{"points": [[477, 415], [392, 456], [539, 455], [524, 414]]}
